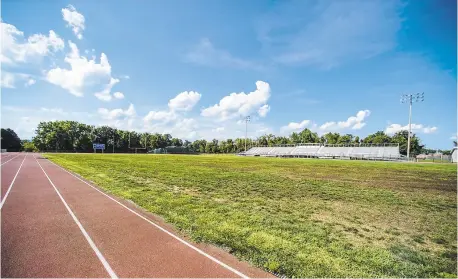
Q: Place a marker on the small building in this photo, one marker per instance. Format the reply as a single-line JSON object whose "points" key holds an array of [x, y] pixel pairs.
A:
{"points": [[454, 155]]}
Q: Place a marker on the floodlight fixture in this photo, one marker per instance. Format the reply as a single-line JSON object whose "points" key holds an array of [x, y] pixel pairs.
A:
{"points": [[247, 119], [411, 98]]}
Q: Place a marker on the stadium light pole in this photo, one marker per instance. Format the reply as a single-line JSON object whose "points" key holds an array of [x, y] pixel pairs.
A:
{"points": [[247, 119], [411, 98]]}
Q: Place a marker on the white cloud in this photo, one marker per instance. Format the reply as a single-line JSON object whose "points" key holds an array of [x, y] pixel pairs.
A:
{"points": [[30, 82], [162, 116], [262, 111], [10, 80], [358, 125], [117, 113], [74, 20], [206, 54], [118, 95], [83, 74], [416, 128], [328, 125], [15, 49], [105, 95], [219, 129], [353, 122], [7, 80], [184, 101], [294, 126], [237, 104]]}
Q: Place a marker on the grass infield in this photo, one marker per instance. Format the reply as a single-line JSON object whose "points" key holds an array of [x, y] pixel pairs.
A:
{"points": [[296, 217]]}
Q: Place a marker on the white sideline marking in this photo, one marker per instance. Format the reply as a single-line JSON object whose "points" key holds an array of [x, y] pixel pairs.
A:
{"points": [[10, 159], [161, 228], [86, 235], [12, 182]]}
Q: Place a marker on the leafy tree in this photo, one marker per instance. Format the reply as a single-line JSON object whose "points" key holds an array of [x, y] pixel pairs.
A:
{"points": [[74, 136], [330, 138], [356, 140], [28, 146], [176, 142], [307, 136], [401, 138], [345, 139], [10, 140], [378, 138]]}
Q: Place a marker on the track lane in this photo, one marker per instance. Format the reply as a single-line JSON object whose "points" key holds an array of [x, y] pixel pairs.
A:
{"points": [[132, 246], [9, 159], [10, 186], [38, 236], [8, 172]]}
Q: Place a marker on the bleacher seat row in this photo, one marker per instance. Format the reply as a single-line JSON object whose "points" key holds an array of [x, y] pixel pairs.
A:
{"points": [[323, 151]]}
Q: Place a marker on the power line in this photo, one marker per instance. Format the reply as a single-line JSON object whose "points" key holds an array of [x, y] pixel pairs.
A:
{"points": [[411, 98]]}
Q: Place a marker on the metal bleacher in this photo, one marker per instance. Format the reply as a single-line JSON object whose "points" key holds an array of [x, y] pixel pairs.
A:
{"points": [[362, 152]]}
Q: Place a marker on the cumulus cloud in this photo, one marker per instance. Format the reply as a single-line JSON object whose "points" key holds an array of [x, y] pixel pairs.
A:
{"points": [[118, 95], [237, 104], [184, 101], [294, 126], [262, 111], [10, 80], [16, 49], [30, 82], [74, 19], [83, 74], [353, 122], [178, 105], [7, 80], [105, 95], [162, 116], [416, 128], [117, 113]]}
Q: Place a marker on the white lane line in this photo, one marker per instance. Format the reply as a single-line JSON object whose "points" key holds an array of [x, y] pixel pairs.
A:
{"points": [[160, 228], [86, 235], [9, 160], [12, 182]]}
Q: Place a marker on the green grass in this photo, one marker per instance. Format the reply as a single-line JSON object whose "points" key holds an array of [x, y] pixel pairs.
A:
{"points": [[296, 217]]}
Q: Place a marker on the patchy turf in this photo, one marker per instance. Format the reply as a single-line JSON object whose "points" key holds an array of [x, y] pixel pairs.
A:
{"points": [[297, 217]]}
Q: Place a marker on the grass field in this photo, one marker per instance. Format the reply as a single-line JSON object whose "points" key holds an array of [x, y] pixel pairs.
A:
{"points": [[296, 217]]}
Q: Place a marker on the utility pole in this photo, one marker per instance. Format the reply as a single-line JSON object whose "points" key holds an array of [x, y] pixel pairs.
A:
{"points": [[247, 119], [411, 98]]}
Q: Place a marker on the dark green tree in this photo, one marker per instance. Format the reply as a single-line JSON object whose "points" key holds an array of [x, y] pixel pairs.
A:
{"points": [[10, 140]]}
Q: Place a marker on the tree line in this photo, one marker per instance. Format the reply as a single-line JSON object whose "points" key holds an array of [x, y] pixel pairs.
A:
{"points": [[72, 136]]}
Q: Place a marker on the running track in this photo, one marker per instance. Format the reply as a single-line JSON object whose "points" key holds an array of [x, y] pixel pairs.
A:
{"points": [[55, 224]]}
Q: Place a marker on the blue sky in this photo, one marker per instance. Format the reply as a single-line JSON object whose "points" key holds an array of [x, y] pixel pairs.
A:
{"points": [[195, 68]]}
